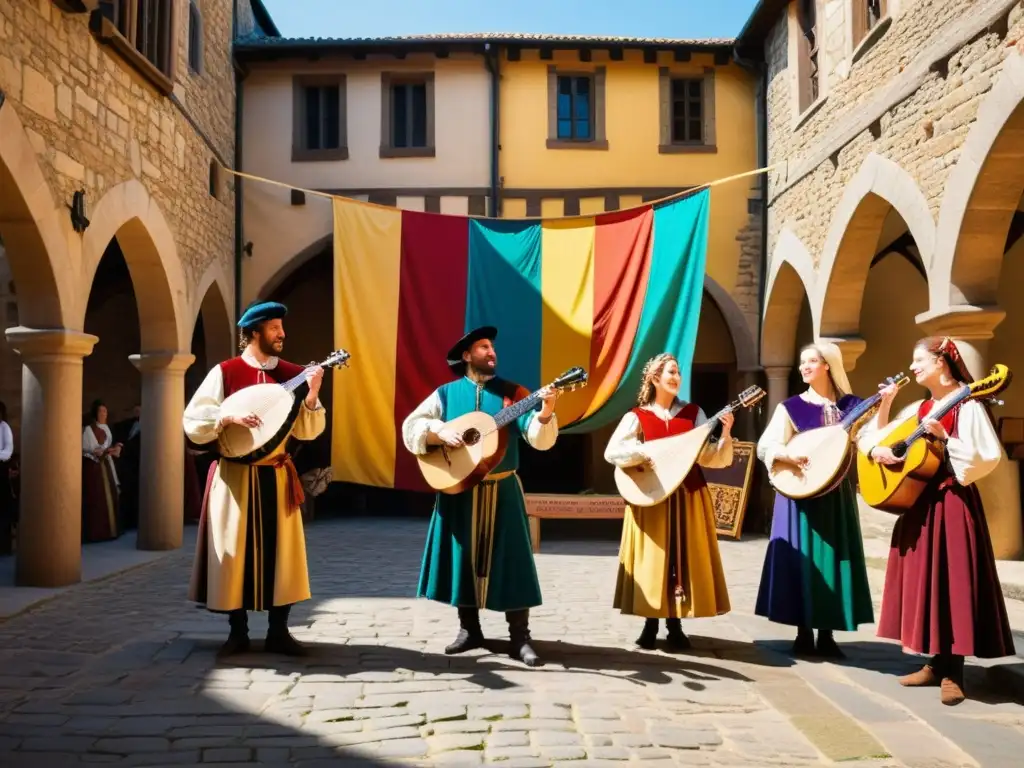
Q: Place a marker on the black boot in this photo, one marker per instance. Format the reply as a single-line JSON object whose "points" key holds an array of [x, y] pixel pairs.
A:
{"points": [[470, 635], [804, 643], [677, 639], [827, 646], [238, 639], [519, 637], [279, 639], [649, 636]]}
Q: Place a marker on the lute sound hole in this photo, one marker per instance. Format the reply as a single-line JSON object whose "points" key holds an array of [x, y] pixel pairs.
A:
{"points": [[899, 450], [471, 436]]}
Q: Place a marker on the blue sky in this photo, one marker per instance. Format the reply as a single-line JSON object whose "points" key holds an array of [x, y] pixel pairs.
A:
{"points": [[630, 18]]}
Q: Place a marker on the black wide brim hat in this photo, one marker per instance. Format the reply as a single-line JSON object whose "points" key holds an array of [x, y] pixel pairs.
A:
{"points": [[455, 361]]}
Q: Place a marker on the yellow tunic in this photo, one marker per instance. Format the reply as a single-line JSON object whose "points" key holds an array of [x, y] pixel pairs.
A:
{"points": [[642, 587], [219, 576]]}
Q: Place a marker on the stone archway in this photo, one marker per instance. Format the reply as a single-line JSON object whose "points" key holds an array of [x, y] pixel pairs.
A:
{"points": [[128, 213], [213, 299], [982, 196], [308, 253], [35, 240], [742, 340], [853, 239], [791, 281]]}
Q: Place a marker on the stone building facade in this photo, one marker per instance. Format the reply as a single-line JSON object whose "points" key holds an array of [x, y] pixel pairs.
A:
{"points": [[896, 139], [116, 117]]}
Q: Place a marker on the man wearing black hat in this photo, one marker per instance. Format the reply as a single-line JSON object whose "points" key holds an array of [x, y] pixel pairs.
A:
{"points": [[251, 548], [478, 551]]}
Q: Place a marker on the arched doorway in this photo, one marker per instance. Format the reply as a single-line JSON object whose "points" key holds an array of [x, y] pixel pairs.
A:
{"points": [[38, 296], [128, 227]]}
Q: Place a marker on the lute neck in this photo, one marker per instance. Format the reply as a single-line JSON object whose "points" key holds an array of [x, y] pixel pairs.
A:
{"points": [[519, 408], [937, 413]]}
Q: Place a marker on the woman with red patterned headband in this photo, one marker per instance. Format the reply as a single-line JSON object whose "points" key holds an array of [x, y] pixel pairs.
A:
{"points": [[942, 595]]}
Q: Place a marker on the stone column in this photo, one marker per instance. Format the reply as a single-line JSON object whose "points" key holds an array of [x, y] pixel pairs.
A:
{"points": [[972, 328], [778, 386], [161, 466], [748, 425], [50, 527]]}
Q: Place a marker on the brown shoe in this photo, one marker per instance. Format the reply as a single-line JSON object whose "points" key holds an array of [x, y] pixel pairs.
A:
{"points": [[951, 692], [924, 676]]}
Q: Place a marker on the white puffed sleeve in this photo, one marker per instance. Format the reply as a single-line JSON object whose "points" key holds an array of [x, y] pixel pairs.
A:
{"points": [[776, 436], [976, 451], [426, 418], [625, 449], [202, 415], [715, 455], [870, 435], [539, 436]]}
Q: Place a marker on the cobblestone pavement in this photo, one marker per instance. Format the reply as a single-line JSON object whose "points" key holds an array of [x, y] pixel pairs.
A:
{"points": [[123, 671]]}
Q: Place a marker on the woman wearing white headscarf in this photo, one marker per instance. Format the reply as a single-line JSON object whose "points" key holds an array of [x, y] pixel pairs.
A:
{"points": [[814, 574]]}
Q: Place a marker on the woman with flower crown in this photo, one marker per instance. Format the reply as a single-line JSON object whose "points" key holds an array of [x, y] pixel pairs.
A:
{"points": [[942, 596], [669, 565], [814, 575]]}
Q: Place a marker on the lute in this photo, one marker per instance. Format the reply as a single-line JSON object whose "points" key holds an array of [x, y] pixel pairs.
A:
{"points": [[896, 488], [454, 470], [276, 404], [829, 450], [674, 457]]}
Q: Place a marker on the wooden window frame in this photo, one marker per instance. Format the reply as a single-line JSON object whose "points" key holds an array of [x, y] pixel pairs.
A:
{"points": [[599, 141], [387, 81], [300, 152], [109, 33], [809, 89], [708, 142], [196, 36], [867, 27]]}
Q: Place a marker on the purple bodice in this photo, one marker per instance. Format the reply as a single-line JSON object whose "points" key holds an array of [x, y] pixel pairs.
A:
{"points": [[807, 416]]}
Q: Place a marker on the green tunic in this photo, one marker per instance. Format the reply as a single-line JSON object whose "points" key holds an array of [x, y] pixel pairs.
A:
{"points": [[505, 571]]}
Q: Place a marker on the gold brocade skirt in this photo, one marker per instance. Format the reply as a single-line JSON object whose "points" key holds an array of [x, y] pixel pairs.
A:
{"points": [[684, 524]]}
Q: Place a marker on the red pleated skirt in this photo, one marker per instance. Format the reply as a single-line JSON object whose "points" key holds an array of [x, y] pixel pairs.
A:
{"points": [[942, 592]]}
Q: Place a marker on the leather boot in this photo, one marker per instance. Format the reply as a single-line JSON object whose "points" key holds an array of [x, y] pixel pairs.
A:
{"points": [[804, 643], [238, 638], [677, 639], [470, 635], [279, 639], [952, 686], [827, 645], [649, 636], [519, 635], [929, 674]]}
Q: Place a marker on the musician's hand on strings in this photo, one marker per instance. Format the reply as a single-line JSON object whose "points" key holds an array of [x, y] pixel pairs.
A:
{"points": [[646, 460], [935, 429], [449, 437], [251, 421], [728, 420], [798, 460], [882, 455]]}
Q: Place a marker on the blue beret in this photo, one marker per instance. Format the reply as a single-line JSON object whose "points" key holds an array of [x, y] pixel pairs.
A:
{"points": [[261, 311]]}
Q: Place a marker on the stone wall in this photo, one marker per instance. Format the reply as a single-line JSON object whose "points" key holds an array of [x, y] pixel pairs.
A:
{"points": [[923, 132], [94, 122]]}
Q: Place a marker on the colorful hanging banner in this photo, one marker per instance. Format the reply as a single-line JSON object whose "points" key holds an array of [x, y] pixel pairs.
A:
{"points": [[605, 292]]}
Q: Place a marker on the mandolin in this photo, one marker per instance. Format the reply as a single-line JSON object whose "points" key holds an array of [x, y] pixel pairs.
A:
{"points": [[674, 457], [276, 404], [896, 488], [454, 470], [830, 452]]}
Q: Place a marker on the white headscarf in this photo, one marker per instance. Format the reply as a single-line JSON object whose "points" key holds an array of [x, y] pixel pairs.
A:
{"points": [[830, 354]]}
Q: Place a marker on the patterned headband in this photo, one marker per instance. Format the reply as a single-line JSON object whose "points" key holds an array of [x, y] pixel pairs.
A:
{"points": [[948, 347]]}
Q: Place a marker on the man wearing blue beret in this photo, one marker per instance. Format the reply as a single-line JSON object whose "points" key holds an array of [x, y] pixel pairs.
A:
{"points": [[251, 548]]}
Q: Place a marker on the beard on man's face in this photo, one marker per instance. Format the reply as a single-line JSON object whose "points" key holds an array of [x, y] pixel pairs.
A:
{"points": [[484, 364], [270, 347]]}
